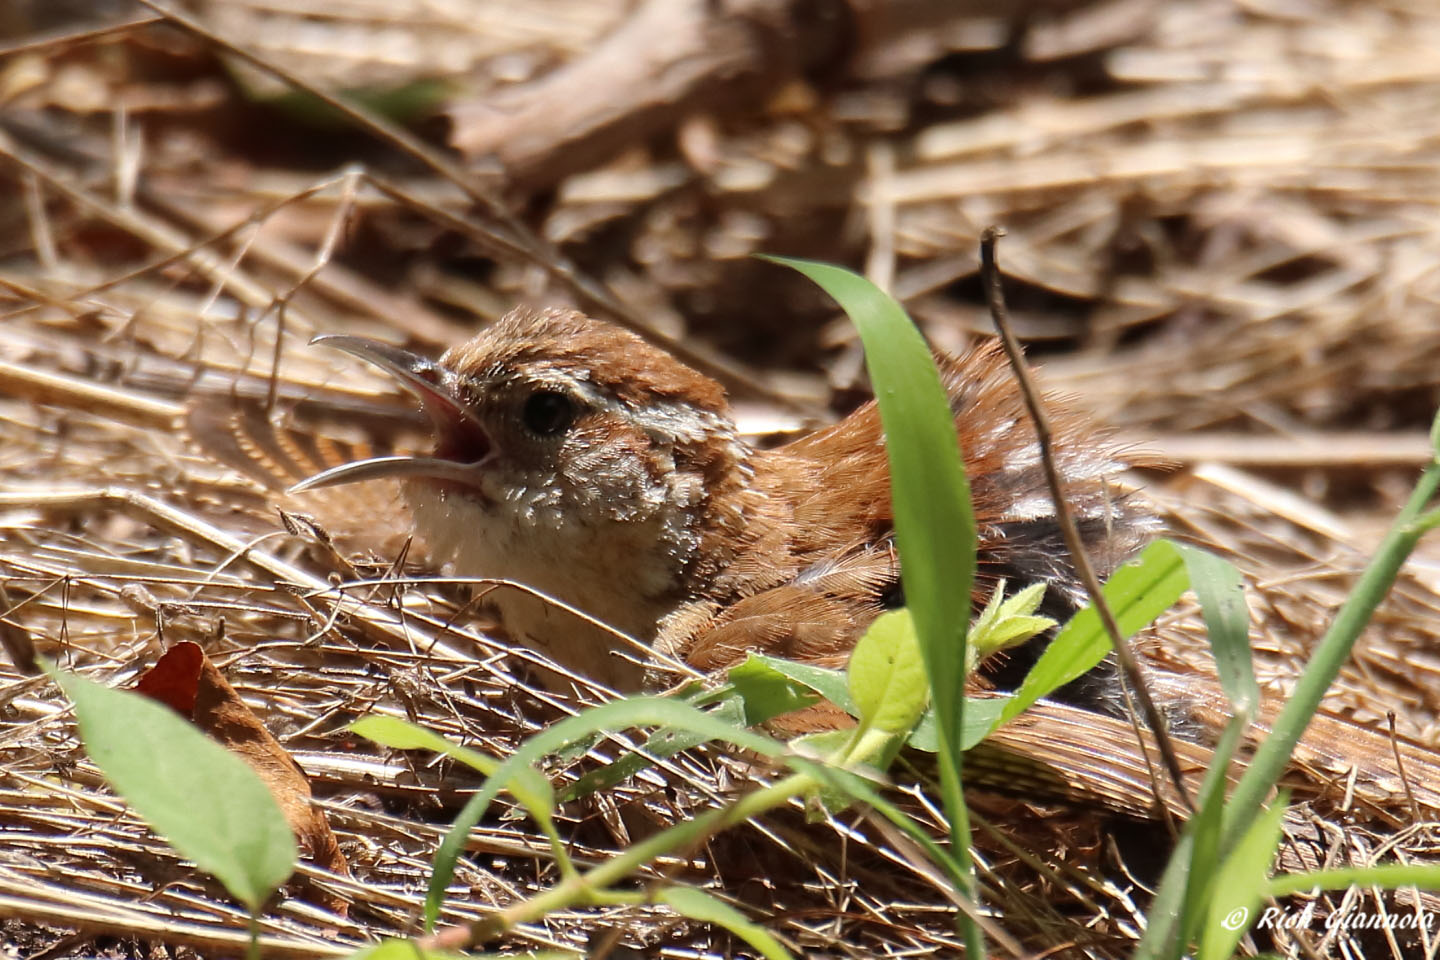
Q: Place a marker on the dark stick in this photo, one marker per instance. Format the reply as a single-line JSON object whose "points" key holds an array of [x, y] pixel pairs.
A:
{"points": [[995, 296]]}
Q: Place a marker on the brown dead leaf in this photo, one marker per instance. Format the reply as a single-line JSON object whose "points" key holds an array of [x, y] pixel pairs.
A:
{"points": [[186, 680]]}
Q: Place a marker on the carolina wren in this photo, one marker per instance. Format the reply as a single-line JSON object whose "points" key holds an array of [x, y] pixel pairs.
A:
{"points": [[576, 458]]}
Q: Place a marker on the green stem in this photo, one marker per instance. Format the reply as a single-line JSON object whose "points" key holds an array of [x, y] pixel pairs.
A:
{"points": [[958, 814], [591, 888], [1273, 755], [1330, 654], [557, 845]]}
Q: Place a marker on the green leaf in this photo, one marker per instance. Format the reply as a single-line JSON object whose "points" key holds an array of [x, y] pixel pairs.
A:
{"points": [[833, 746], [1013, 630], [528, 785], [699, 905], [982, 627], [1241, 882], [826, 744], [926, 736], [830, 684], [982, 717], [1006, 622], [886, 675], [1138, 592], [766, 692], [980, 713], [202, 798], [1216, 583], [934, 524]]}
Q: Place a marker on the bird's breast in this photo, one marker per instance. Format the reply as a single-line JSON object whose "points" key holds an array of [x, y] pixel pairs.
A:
{"points": [[622, 574]]}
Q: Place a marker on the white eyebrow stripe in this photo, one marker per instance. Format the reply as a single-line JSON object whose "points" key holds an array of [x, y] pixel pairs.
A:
{"points": [[664, 420]]}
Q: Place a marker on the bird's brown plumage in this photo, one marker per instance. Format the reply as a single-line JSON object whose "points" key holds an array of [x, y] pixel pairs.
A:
{"points": [[789, 550], [813, 562]]}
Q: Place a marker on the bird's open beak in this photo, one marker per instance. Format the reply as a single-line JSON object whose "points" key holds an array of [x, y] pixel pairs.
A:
{"points": [[438, 392]]}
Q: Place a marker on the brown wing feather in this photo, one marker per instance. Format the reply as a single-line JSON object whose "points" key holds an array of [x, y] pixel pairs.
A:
{"points": [[811, 497], [366, 518]]}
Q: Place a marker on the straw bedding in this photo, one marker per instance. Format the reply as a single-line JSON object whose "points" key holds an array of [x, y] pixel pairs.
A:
{"points": [[1221, 240]]}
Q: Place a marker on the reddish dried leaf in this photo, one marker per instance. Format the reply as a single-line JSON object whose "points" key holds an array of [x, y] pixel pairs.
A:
{"points": [[175, 678]]}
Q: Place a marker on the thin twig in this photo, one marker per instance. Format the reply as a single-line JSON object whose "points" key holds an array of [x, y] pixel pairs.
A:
{"points": [[880, 217], [995, 295], [1400, 768], [159, 235], [328, 244], [71, 38]]}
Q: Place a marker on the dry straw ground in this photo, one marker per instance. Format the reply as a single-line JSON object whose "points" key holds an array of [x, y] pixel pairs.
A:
{"points": [[1224, 220]]}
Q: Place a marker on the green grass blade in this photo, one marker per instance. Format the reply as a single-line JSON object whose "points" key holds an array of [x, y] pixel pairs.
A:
{"points": [[528, 785], [934, 523], [1204, 830], [1241, 882], [1216, 583], [1386, 876], [618, 715], [934, 526], [699, 905], [1329, 656], [1138, 592], [1167, 910], [664, 743]]}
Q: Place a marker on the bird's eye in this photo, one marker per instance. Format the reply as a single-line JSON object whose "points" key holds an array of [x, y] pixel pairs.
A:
{"points": [[548, 413]]}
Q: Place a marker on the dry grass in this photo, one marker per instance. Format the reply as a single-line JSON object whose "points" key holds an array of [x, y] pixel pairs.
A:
{"points": [[1222, 235]]}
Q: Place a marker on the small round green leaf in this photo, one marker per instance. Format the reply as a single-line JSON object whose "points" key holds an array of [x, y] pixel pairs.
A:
{"points": [[887, 675]]}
